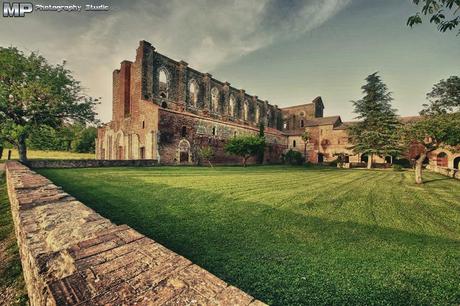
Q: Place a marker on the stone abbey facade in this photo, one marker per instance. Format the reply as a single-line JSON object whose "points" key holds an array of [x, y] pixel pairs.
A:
{"points": [[166, 110]]}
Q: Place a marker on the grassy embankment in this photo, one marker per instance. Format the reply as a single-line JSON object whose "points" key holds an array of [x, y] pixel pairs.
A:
{"points": [[35, 154]]}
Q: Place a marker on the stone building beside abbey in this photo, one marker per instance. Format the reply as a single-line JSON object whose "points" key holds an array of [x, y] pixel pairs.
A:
{"points": [[166, 110]]}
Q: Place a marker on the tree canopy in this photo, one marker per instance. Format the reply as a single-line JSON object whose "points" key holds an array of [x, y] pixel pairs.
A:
{"points": [[34, 93], [206, 153], [444, 98], [245, 146], [75, 137], [439, 125], [376, 132], [443, 13]]}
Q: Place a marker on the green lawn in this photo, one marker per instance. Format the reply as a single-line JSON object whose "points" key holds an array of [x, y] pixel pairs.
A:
{"points": [[294, 236], [36, 154]]}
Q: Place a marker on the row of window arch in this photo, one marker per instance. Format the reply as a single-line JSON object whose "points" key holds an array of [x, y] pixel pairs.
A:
{"points": [[213, 132], [442, 160], [193, 90]]}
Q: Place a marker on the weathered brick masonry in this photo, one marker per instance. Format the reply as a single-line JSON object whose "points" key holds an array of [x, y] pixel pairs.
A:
{"points": [[73, 256], [166, 111]]}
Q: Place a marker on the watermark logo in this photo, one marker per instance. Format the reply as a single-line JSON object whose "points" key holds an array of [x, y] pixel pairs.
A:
{"points": [[17, 9]]}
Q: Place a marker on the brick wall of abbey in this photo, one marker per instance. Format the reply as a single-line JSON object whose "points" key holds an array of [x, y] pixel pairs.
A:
{"points": [[163, 109], [183, 134], [133, 131]]}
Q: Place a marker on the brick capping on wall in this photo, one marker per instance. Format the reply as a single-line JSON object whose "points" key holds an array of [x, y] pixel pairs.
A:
{"points": [[89, 163], [73, 256]]}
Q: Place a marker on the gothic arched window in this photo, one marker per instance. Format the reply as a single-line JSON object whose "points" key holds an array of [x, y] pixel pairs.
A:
{"points": [[231, 106], [163, 82], [245, 111], [193, 92], [215, 99]]}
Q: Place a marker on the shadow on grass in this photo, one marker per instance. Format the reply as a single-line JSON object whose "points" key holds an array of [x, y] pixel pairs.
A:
{"points": [[438, 179]]}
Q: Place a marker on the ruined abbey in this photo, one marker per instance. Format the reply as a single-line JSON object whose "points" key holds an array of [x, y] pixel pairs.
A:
{"points": [[166, 110]]}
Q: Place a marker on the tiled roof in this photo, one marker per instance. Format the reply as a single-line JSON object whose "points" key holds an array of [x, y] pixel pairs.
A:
{"points": [[345, 125], [403, 120], [322, 121]]}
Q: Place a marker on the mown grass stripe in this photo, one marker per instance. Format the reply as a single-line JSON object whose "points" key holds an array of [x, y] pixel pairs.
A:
{"points": [[291, 235]]}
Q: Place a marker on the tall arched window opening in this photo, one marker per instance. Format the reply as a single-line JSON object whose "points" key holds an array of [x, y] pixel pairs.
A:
{"points": [[193, 92], [163, 83], [215, 100]]}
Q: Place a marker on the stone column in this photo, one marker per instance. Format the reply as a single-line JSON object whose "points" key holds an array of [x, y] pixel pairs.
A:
{"points": [[277, 114], [242, 99], [182, 84], [226, 93], [207, 91], [255, 107]]}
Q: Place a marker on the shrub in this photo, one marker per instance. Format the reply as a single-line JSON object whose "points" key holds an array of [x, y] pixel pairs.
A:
{"points": [[334, 163], [403, 162], [293, 158], [245, 146], [206, 154]]}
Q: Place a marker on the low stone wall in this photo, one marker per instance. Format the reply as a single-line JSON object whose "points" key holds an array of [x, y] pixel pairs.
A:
{"points": [[453, 173], [72, 255], [89, 163]]}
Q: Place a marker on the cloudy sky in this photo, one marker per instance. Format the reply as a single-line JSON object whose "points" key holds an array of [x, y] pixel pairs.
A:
{"points": [[287, 52]]}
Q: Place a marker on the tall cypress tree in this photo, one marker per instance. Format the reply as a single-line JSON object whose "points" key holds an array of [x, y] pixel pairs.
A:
{"points": [[376, 132]]}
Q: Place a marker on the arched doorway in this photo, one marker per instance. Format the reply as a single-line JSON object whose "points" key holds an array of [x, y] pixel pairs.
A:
{"points": [[457, 163], [320, 158], [389, 159], [364, 158], [441, 160], [184, 152], [142, 153]]}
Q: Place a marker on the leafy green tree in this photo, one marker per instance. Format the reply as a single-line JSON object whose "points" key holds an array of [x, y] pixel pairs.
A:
{"points": [[245, 146], [206, 153], [45, 138], [293, 157], [342, 158], [306, 138], [67, 135], [444, 98], [75, 137], [1, 147], [34, 93], [439, 125], [443, 13], [376, 132], [86, 140]]}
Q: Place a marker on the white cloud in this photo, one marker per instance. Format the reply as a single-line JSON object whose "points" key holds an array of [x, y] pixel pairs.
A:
{"points": [[205, 33]]}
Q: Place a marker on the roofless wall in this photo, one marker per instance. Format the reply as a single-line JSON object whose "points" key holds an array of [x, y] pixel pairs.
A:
{"points": [[175, 85]]}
